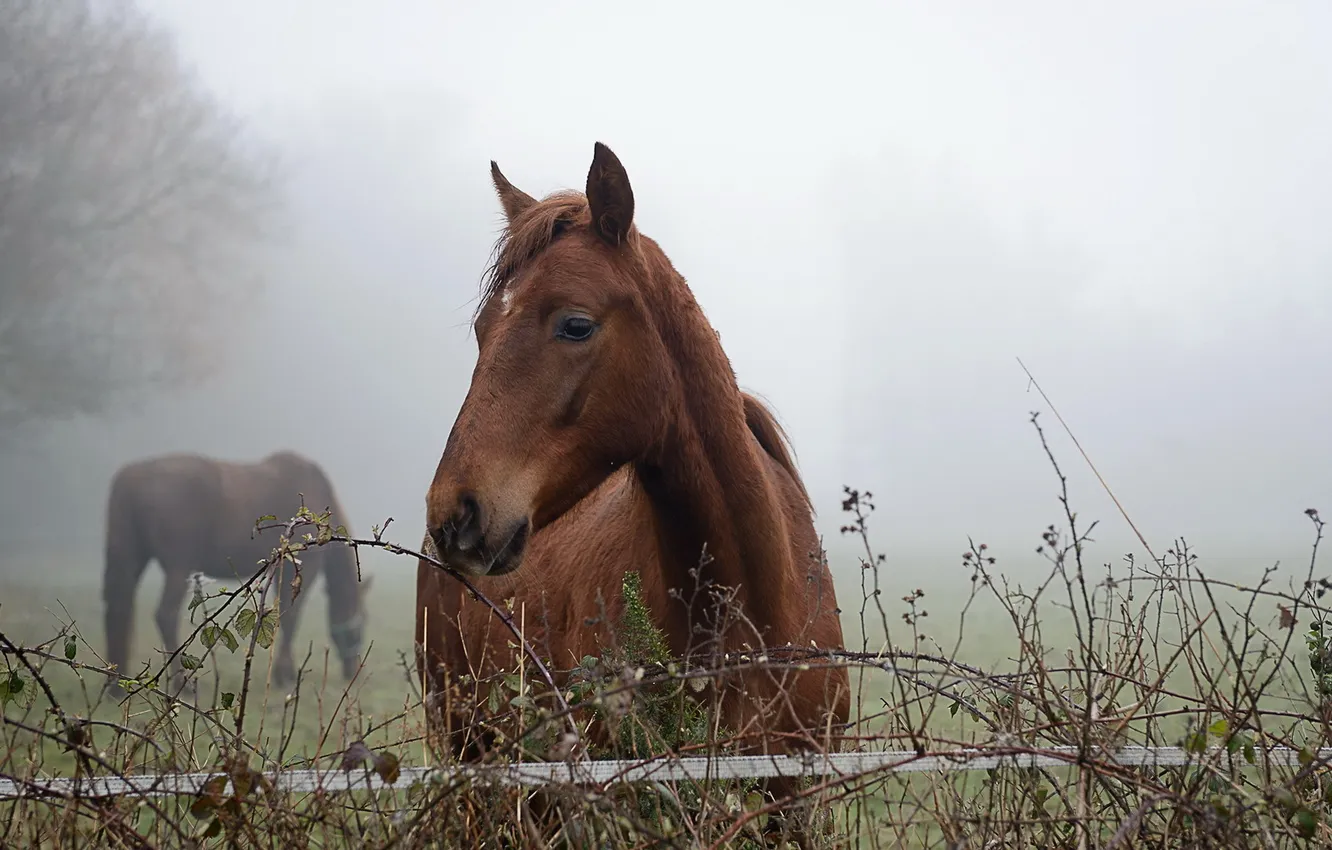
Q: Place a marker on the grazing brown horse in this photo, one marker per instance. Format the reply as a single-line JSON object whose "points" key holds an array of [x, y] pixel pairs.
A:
{"points": [[197, 514], [604, 432]]}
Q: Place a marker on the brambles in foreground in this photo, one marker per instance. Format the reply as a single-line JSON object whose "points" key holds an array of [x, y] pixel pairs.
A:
{"points": [[1156, 655]]}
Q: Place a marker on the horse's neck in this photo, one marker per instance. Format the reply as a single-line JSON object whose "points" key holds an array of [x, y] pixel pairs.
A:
{"points": [[712, 488]]}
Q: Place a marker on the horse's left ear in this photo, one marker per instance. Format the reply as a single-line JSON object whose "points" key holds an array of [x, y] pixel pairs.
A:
{"points": [[513, 199], [610, 196]]}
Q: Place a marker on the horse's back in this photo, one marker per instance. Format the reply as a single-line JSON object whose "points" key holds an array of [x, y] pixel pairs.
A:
{"points": [[199, 512], [168, 486]]}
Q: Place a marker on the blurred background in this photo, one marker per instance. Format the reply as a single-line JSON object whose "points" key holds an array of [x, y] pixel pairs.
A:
{"points": [[243, 227]]}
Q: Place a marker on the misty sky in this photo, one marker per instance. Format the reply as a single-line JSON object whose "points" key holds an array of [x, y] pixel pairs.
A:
{"points": [[879, 205]]}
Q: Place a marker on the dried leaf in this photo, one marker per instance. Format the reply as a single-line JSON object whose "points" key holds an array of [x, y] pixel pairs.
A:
{"points": [[210, 796], [563, 748], [1288, 620], [386, 765], [245, 779], [356, 755], [76, 733]]}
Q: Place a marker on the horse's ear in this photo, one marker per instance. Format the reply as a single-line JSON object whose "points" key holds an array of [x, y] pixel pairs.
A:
{"points": [[609, 195], [513, 199]]}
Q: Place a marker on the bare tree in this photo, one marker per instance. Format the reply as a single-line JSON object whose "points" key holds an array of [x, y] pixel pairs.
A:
{"points": [[131, 215]]}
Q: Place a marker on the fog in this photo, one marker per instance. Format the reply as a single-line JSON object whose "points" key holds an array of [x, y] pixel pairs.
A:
{"points": [[881, 207]]}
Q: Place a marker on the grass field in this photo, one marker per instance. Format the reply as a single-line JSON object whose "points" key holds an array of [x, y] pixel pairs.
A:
{"points": [[41, 593], [1163, 655]]}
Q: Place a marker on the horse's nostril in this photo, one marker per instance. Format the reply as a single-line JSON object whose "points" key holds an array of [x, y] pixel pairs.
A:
{"points": [[468, 523], [442, 536]]}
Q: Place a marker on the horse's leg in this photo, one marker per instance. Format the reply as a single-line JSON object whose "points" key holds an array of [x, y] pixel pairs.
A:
{"points": [[168, 614], [284, 666], [123, 570]]}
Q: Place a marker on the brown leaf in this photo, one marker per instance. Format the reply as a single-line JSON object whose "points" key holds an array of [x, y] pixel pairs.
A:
{"points": [[1288, 620], [210, 796], [356, 755], [76, 732], [386, 765], [563, 748], [244, 779]]}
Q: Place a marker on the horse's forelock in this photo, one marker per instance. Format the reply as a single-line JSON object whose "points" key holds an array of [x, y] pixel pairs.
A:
{"points": [[526, 237]]}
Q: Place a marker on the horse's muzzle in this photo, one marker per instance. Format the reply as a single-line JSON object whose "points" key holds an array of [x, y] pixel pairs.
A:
{"points": [[463, 544]]}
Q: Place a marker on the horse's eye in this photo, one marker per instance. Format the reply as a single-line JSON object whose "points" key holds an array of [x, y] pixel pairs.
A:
{"points": [[575, 328], [558, 227]]}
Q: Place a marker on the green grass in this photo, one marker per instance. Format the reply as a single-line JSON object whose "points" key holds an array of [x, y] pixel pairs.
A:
{"points": [[39, 595], [927, 608]]}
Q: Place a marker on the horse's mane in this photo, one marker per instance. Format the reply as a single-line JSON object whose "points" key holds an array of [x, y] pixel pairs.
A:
{"points": [[772, 437], [528, 235]]}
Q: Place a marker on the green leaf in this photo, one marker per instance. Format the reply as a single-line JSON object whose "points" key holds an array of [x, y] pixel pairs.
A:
{"points": [[267, 628], [11, 687], [1306, 758], [245, 621], [227, 699], [1306, 822], [1196, 743], [230, 640], [189, 662], [71, 647], [1249, 755], [953, 709], [1219, 727], [753, 801], [197, 599], [1283, 798], [208, 637]]}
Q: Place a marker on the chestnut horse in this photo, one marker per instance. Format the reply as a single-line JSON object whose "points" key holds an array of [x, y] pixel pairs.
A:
{"points": [[604, 431], [197, 514]]}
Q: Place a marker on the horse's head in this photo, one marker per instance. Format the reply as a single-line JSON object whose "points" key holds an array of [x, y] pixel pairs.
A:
{"points": [[571, 375]]}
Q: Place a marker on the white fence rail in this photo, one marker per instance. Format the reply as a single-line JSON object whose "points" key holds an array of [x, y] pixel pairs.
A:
{"points": [[661, 770]]}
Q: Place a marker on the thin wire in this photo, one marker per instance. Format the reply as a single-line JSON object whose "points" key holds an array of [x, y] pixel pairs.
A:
{"points": [[1069, 431]]}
